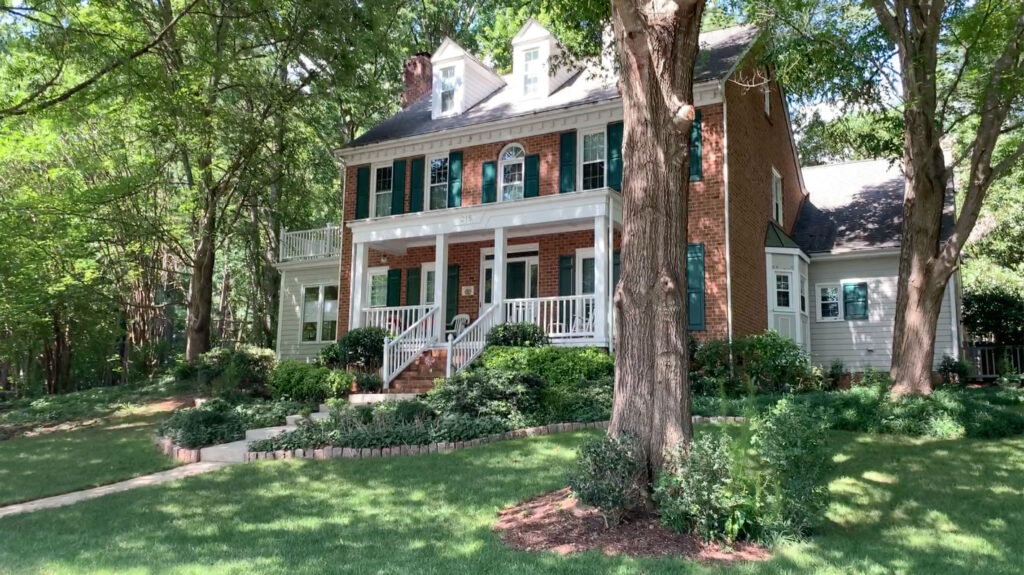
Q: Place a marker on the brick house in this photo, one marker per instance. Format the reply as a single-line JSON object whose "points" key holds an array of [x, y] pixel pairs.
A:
{"points": [[493, 198]]}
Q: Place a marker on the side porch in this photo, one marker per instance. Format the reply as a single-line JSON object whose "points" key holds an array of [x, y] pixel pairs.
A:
{"points": [[551, 262]]}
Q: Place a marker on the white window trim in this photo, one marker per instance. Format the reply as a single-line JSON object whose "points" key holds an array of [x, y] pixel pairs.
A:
{"points": [[538, 73], [805, 294], [319, 311], [581, 134], [775, 290], [424, 268], [455, 91], [582, 254], [373, 185], [818, 301], [777, 198], [370, 273], [510, 256], [500, 193], [426, 180]]}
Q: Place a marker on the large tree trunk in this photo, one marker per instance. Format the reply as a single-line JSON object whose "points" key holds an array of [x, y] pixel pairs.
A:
{"points": [[200, 294], [657, 45]]}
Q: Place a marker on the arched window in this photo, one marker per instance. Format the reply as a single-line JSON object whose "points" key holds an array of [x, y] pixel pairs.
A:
{"points": [[510, 172]]}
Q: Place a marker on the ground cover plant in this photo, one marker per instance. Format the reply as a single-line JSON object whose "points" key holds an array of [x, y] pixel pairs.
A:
{"points": [[898, 505], [218, 421]]}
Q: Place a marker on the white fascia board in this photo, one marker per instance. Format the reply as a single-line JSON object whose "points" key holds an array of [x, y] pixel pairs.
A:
{"points": [[788, 252], [855, 254], [557, 208], [327, 261], [521, 126]]}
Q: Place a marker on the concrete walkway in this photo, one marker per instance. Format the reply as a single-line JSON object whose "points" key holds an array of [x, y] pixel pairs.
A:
{"points": [[142, 481]]}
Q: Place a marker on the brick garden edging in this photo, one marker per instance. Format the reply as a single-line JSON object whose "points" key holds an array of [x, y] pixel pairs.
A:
{"points": [[182, 454], [365, 453]]}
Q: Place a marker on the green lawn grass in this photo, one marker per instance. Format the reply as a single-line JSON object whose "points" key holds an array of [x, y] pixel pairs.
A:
{"points": [[899, 505], [63, 461]]}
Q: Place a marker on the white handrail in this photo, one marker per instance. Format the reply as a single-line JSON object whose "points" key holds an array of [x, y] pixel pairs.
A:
{"points": [[394, 319], [309, 244], [464, 348], [408, 345], [561, 317]]}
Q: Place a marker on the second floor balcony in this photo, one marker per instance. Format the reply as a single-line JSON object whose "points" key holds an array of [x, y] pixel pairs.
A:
{"points": [[308, 245]]}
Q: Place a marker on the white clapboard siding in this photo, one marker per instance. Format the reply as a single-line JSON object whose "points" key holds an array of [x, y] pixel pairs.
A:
{"points": [[865, 343], [289, 323]]}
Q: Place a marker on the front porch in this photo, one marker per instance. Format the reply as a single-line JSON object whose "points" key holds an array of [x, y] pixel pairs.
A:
{"points": [[549, 262]]}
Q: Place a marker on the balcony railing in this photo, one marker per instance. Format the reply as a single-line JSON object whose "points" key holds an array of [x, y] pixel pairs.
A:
{"points": [[310, 244]]}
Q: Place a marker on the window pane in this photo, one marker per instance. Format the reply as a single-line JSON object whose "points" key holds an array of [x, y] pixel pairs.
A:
{"points": [[488, 277], [428, 296], [593, 175], [328, 330], [830, 302], [782, 299], [378, 290], [310, 313], [330, 303], [383, 179], [593, 147], [383, 205], [447, 88], [382, 191], [803, 294], [439, 197], [587, 266], [513, 152], [512, 181]]}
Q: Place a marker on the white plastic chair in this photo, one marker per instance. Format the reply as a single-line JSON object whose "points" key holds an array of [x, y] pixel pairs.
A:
{"points": [[459, 323]]}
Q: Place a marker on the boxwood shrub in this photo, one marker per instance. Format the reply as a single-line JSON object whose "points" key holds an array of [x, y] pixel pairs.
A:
{"points": [[306, 382], [212, 423], [517, 335], [361, 348]]}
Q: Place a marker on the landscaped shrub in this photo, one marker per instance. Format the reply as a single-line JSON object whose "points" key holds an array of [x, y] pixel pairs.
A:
{"points": [[697, 492], [837, 372], [258, 414], [228, 371], [404, 411], [361, 348], [709, 369], [368, 382], [954, 371], [517, 335], [509, 395], [212, 423], [610, 474], [307, 382], [577, 380], [775, 363]]}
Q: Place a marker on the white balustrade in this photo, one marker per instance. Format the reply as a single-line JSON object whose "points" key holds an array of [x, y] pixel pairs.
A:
{"points": [[394, 319], [310, 244], [408, 345], [562, 317], [466, 346]]}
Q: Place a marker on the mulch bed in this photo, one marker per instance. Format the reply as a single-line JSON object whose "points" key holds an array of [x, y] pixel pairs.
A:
{"points": [[557, 522]]}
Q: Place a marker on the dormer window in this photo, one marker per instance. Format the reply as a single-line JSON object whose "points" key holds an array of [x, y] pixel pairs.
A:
{"points": [[447, 89], [531, 72], [511, 170]]}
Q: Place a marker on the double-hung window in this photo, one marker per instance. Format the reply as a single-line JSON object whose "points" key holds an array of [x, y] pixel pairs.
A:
{"points": [[531, 72], [842, 301], [382, 180], [594, 157], [377, 287], [447, 89], [437, 183], [319, 313], [511, 171], [783, 290]]}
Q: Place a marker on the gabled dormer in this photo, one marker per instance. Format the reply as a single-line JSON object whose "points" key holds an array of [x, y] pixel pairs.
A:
{"points": [[537, 66], [460, 81]]}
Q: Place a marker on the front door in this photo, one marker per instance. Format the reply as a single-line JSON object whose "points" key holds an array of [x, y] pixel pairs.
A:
{"points": [[521, 275]]}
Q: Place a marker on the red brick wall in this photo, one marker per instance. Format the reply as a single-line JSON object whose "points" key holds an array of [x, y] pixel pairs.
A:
{"points": [[706, 225], [756, 143]]}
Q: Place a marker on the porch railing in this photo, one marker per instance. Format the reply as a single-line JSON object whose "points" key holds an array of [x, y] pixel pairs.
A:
{"points": [[394, 319], [408, 345], [465, 347], [310, 244], [985, 359], [562, 317]]}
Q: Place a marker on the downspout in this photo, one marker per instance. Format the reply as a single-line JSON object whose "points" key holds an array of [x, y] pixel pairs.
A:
{"points": [[725, 182]]}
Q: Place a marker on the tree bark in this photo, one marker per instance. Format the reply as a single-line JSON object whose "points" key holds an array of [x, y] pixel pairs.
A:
{"points": [[200, 293], [657, 45]]}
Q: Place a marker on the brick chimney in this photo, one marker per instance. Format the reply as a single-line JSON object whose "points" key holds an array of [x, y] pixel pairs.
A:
{"points": [[417, 77]]}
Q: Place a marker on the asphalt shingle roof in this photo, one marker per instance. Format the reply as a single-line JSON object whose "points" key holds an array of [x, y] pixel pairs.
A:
{"points": [[855, 206], [720, 51]]}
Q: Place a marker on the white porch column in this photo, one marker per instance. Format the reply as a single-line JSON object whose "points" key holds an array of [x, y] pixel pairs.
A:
{"points": [[498, 277], [602, 253], [360, 256], [441, 283]]}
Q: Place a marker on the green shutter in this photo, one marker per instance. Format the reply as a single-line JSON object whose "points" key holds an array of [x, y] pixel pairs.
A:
{"points": [[398, 188], [567, 162], [695, 287], [614, 138], [488, 182], [454, 179], [566, 286], [412, 286], [363, 192], [616, 268], [855, 301], [531, 177], [696, 138], [451, 296], [416, 185], [394, 288]]}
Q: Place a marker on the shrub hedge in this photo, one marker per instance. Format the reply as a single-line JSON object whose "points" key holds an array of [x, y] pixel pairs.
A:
{"points": [[361, 348], [307, 382], [517, 335], [230, 372]]}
